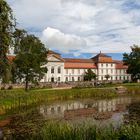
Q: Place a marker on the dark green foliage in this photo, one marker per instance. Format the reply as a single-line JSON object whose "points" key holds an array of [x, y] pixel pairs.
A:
{"points": [[18, 36], [107, 76], [7, 24], [31, 55], [89, 75], [133, 62]]}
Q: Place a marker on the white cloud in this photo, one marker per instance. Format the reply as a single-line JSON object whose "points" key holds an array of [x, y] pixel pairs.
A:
{"points": [[81, 25], [55, 39]]}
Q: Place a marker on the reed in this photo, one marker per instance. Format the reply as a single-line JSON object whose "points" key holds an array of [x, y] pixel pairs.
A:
{"points": [[65, 131]]}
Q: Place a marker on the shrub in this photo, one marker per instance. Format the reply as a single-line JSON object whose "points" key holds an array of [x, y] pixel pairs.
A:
{"points": [[126, 81], [2, 88], [10, 87]]}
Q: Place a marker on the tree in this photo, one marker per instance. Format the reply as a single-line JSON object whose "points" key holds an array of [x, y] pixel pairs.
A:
{"points": [[132, 60], [89, 75], [7, 24], [107, 76], [30, 58], [18, 35]]}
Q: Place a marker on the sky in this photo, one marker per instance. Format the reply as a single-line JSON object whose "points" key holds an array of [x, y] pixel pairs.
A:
{"points": [[81, 28]]}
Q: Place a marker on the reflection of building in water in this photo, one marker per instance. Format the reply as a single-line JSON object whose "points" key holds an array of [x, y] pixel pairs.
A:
{"points": [[82, 108]]}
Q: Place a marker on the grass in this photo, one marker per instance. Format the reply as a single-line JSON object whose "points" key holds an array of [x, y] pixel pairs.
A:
{"points": [[66, 131]]}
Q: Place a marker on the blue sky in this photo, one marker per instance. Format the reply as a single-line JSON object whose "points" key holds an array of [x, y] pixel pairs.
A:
{"points": [[81, 28]]}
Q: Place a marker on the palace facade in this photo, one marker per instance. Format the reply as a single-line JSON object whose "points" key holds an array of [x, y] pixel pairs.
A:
{"points": [[73, 69]]}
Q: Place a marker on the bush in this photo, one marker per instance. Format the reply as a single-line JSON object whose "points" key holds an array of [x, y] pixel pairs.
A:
{"points": [[84, 85], [2, 88], [10, 87], [126, 81]]}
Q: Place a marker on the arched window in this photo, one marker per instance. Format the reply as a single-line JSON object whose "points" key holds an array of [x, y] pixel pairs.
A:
{"points": [[52, 69], [73, 79], [59, 79], [102, 78], [59, 69], [66, 79], [78, 78]]}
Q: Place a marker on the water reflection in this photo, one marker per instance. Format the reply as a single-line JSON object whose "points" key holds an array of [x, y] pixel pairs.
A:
{"points": [[101, 112], [133, 112], [97, 109]]}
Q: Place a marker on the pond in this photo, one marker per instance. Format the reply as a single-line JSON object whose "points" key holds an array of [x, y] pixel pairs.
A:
{"points": [[101, 112]]}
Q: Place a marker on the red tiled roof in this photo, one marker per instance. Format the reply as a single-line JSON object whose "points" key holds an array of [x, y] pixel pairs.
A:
{"points": [[105, 59], [77, 63], [11, 57], [120, 65], [78, 60], [102, 58], [80, 65]]}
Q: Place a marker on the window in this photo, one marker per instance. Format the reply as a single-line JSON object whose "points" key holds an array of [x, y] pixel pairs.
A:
{"points": [[111, 65], [124, 78], [59, 79], [59, 69], [102, 65], [78, 71], [59, 109], [66, 71], [107, 71], [66, 79], [78, 78], [102, 71], [52, 110], [106, 65], [116, 71], [72, 71], [73, 79], [102, 78], [111, 71], [52, 70]]}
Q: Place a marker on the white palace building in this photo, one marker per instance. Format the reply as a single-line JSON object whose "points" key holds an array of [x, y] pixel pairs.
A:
{"points": [[73, 69]]}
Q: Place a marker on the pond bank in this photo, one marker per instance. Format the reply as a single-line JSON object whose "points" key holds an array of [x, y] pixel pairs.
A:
{"points": [[17, 99]]}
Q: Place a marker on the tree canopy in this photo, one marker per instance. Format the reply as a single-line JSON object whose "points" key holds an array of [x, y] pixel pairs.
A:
{"points": [[107, 76], [31, 55], [7, 24], [132, 60], [89, 75]]}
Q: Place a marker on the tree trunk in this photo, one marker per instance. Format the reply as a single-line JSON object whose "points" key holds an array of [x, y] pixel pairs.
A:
{"points": [[26, 83]]}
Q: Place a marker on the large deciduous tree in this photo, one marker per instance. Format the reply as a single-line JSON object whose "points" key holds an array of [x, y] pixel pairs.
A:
{"points": [[89, 75], [7, 24], [132, 60], [30, 57]]}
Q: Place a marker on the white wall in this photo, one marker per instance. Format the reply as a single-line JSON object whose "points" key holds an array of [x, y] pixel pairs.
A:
{"points": [[55, 75], [77, 74]]}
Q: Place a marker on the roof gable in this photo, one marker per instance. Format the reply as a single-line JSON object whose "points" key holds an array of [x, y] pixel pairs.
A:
{"points": [[54, 58], [102, 58]]}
